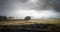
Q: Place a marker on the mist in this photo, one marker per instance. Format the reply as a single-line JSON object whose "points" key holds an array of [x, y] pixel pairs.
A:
{"points": [[35, 8]]}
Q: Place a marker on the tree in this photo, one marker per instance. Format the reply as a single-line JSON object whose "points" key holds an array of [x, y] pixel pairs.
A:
{"points": [[27, 18]]}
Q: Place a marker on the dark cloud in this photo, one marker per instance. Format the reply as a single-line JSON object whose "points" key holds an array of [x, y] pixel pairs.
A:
{"points": [[43, 5], [39, 5], [56, 5], [3, 4], [23, 1], [48, 4]]}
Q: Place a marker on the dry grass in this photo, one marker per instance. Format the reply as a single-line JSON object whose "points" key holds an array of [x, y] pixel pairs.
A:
{"points": [[35, 21]]}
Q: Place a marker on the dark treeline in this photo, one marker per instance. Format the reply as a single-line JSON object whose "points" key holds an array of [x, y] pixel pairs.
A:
{"points": [[3, 18]]}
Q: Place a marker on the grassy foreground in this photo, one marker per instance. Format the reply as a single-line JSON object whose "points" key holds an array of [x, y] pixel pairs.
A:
{"points": [[34, 21], [35, 25]]}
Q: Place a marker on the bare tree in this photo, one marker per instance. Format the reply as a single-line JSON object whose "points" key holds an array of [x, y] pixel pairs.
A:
{"points": [[27, 18]]}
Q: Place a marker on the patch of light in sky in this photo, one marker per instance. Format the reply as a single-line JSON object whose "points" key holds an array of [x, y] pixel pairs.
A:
{"points": [[35, 14]]}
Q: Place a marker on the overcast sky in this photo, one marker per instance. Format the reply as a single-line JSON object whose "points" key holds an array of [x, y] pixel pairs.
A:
{"points": [[34, 8]]}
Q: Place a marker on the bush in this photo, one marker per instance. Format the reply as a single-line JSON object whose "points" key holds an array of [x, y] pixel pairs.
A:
{"points": [[27, 18]]}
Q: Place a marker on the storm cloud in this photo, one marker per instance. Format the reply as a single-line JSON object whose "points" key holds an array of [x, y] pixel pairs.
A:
{"points": [[34, 8]]}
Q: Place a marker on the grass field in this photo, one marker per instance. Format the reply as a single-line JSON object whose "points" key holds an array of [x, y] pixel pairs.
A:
{"points": [[32, 25], [34, 21]]}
